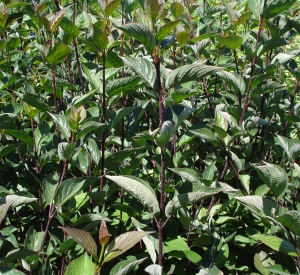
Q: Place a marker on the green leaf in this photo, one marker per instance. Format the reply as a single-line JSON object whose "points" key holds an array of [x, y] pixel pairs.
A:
{"points": [[80, 266], [277, 6], [34, 240], [58, 53], [183, 37], [94, 150], [34, 102], [245, 179], [69, 27], [259, 204], [176, 9], [12, 201], [152, 9], [120, 85], [122, 243], [119, 156], [166, 133], [20, 135], [188, 73], [63, 125], [256, 7], [49, 186], [205, 134], [141, 33], [188, 174], [124, 267], [143, 67], [186, 199], [273, 176], [271, 45], [99, 38], [140, 189], [148, 243], [111, 7], [94, 79], [231, 42], [69, 188], [291, 220], [276, 244], [235, 80], [90, 126], [166, 29], [66, 150], [84, 238], [258, 263]]}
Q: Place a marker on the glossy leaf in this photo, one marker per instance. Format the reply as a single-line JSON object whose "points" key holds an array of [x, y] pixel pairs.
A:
{"points": [[176, 9], [166, 29], [57, 54], [273, 176], [81, 265], [69, 188], [140, 189], [186, 199], [187, 73], [12, 201], [143, 67], [276, 244], [120, 85], [291, 220], [141, 33]]}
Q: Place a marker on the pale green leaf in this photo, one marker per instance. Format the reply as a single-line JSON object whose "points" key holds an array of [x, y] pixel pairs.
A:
{"points": [[80, 266], [166, 29]]}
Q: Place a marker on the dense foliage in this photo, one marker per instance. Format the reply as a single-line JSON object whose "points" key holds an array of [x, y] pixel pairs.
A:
{"points": [[157, 137]]}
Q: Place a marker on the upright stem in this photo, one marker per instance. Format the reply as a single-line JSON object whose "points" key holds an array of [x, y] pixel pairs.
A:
{"points": [[246, 102], [54, 88], [103, 119], [162, 164]]}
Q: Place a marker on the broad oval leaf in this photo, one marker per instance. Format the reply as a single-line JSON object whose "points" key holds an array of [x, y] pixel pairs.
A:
{"points": [[141, 33], [186, 199], [176, 9], [259, 204], [69, 188], [231, 42], [120, 85], [273, 176], [140, 189], [82, 265], [122, 243], [58, 53], [12, 201], [83, 238], [63, 125], [143, 67], [276, 244], [66, 150], [111, 7], [166, 29], [291, 220], [188, 73]]}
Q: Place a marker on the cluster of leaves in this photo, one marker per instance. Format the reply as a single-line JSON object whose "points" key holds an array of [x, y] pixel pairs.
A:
{"points": [[176, 122]]}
